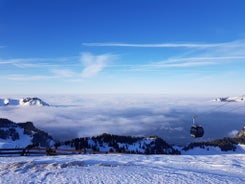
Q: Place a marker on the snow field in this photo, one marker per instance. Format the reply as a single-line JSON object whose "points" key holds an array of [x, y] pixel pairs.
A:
{"points": [[19, 143], [124, 168]]}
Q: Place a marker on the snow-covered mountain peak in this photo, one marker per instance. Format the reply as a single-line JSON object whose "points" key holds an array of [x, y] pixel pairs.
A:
{"points": [[230, 99], [28, 101], [32, 101]]}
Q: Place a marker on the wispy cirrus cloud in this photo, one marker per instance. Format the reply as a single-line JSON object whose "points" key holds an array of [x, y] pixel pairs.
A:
{"points": [[94, 64], [193, 55], [30, 77], [200, 51], [31, 69], [155, 45], [63, 73], [89, 65], [40, 62], [190, 45], [85, 66], [54, 74], [196, 61]]}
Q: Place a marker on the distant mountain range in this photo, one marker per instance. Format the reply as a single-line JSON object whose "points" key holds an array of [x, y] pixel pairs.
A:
{"points": [[35, 101], [230, 99], [28, 101]]}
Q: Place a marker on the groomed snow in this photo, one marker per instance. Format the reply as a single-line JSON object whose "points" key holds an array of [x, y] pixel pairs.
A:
{"points": [[123, 168]]}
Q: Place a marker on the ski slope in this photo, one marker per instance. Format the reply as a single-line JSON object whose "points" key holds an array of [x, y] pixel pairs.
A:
{"points": [[124, 168]]}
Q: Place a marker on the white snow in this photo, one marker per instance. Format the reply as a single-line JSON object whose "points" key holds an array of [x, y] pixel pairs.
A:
{"points": [[18, 143], [230, 99], [6, 101], [32, 102], [123, 168], [23, 102], [211, 150]]}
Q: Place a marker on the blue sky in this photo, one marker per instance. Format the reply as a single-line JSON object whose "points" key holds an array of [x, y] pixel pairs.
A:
{"points": [[178, 47]]}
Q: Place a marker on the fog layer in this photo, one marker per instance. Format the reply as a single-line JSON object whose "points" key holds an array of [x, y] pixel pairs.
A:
{"points": [[136, 115]]}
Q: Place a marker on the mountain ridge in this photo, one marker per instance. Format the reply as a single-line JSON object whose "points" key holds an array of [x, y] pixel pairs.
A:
{"points": [[230, 99], [121, 144], [27, 101], [22, 134]]}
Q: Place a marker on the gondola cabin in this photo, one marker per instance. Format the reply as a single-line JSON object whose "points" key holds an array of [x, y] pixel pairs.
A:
{"points": [[196, 131]]}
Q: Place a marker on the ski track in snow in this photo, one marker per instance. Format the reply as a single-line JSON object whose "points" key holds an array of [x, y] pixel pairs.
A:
{"points": [[123, 168]]}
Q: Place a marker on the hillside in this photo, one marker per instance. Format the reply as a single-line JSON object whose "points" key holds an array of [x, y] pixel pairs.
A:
{"points": [[122, 144], [225, 144], [19, 135]]}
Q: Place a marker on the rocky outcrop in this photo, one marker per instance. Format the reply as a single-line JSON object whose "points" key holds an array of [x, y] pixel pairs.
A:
{"points": [[241, 134]]}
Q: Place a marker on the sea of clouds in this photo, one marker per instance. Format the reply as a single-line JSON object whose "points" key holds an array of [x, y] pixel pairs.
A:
{"points": [[136, 115]]}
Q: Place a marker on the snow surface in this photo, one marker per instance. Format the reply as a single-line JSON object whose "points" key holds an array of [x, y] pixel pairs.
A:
{"points": [[123, 168], [18, 143]]}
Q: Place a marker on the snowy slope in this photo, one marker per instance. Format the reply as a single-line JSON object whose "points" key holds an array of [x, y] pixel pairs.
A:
{"points": [[19, 135], [18, 143], [212, 150], [123, 168], [121, 144]]}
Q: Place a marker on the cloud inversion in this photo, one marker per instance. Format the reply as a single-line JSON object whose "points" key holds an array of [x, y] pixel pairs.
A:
{"points": [[135, 115]]}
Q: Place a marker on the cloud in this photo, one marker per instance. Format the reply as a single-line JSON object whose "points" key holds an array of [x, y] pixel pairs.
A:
{"points": [[195, 61], [136, 115], [40, 62], [30, 77], [161, 45], [63, 73], [55, 74], [159, 65], [94, 64], [198, 54], [54, 68], [232, 44], [41, 68]]}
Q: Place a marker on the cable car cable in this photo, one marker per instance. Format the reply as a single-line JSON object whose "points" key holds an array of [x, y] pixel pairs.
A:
{"points": [[197, 130]]}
